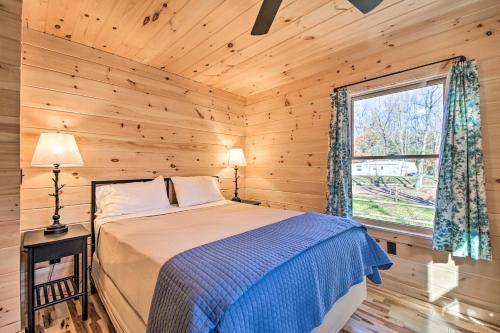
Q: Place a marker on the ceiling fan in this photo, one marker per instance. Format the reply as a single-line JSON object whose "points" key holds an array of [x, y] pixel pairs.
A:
{"points": [[269, 9]]}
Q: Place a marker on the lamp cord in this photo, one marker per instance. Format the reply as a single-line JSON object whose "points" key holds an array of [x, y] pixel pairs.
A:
{"points": [[50, 272]]}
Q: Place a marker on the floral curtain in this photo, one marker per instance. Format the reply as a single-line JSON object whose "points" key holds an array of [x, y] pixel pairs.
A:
{"points": [[339, 158], [461, 222]]}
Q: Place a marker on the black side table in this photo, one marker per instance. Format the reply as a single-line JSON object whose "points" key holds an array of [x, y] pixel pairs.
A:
{"points": [[250, 202], [41, 247]]}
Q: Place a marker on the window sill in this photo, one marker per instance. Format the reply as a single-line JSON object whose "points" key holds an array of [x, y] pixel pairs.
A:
{"points": [[415, 236]]}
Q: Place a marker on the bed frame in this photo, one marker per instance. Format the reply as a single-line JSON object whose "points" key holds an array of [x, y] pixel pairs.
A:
{"points": [[332, 322], [93, 186]]}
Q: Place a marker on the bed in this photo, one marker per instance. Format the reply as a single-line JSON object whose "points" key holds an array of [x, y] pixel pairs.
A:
{"points": [[130, 254]]}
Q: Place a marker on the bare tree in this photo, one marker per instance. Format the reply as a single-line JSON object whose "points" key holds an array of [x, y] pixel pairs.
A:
{"points": [[429, 100]]}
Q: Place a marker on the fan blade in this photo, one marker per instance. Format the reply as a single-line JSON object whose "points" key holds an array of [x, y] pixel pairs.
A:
{"points": [[365, 6], [265, 17]]}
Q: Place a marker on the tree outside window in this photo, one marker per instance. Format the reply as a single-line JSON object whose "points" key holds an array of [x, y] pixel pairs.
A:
{"points": [[396, 138]]}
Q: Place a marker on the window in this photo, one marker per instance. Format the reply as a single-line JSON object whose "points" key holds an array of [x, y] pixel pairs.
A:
{"points": [[396, 138]]}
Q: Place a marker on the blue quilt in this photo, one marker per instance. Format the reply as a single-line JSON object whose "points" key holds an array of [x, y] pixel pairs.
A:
{"points": [[282, 277]]}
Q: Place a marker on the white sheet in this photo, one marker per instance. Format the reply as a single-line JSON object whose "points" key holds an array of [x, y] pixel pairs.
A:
{"points": [[132, 251], [173, 208]]}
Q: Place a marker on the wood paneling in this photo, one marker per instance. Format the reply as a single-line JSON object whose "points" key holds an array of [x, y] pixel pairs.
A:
{"points": [[287, 147], [10, 55], [210, 41], [129, 120], [155, 87]]}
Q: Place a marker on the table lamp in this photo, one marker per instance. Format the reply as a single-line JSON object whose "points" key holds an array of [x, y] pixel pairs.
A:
{"points": [[236, 159], [56, 150]]}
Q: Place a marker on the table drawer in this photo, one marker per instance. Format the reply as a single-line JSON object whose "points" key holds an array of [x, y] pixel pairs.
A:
{"points": [[58, 250]]}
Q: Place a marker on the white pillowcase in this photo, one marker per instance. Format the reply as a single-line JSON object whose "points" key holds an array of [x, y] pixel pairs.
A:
{"points": [[129, 198], [191, 191]]}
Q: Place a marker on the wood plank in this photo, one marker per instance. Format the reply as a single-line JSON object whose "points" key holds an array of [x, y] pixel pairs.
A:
{"points": [[35, 118], [290, 173], [232, 29], [10, 314], [137, 41], [34, 178], [10, 23], [10, 56], [314, 201], [126, 16], [54, 61], [200, 32], [11, 7], [10, 51], [286, 25], [182, 21], [34, 77], [83, 52], [285, 185], [100, 145], [9, 105], [75, 195]]}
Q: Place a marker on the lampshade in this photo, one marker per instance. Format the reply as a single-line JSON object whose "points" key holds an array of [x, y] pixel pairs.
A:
{"points": [[236, 157], [56, 148]]}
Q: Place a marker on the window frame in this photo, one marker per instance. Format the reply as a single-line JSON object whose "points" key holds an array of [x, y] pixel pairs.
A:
{"points": [[421, 83]]}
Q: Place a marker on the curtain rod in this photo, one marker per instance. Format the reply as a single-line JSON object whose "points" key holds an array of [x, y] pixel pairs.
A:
{"points": [[461, 58]]}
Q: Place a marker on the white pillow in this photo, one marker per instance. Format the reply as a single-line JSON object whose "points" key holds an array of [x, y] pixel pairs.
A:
{"points": [[129, 198], [191, 191]]}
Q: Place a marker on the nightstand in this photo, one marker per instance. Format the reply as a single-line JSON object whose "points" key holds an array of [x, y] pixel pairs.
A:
{"points": [[40, 248], [250, 202]]}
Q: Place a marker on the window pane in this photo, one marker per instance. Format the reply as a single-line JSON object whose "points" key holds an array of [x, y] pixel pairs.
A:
{"points": [[401, 123], [397, 191]]}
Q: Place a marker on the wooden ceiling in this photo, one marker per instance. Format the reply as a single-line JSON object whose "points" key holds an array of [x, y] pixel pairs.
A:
{"points": [[209, 41]]}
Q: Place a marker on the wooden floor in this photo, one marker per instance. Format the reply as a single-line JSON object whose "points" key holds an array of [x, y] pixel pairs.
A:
{"points": [[383, 311]]}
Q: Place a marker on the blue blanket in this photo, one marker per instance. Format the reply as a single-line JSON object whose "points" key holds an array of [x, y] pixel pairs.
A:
{"points": [[283, 277]]}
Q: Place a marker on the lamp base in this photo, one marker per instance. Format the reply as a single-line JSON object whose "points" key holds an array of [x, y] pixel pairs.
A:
{"points": [[236, 199], [55, 229]]}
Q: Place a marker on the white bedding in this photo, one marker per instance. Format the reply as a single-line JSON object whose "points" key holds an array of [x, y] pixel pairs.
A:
{"points": [[130, 198], [197, 190], [132, 249], [173, 208]]}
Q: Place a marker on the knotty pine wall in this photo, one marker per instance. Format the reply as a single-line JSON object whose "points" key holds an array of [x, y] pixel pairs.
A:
{"points": [[10, 55], [287, 146], [129, 120]]}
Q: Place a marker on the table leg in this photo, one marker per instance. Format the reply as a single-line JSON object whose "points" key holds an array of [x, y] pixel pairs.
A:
{"points": [[76, 271], [30, 325], [84, 282]]}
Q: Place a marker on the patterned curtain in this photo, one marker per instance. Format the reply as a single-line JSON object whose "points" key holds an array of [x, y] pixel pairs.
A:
{"points": [[339, 158], [461, 222]]}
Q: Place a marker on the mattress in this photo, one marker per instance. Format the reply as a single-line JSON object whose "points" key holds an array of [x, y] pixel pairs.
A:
{"points": [[126, 320]]}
